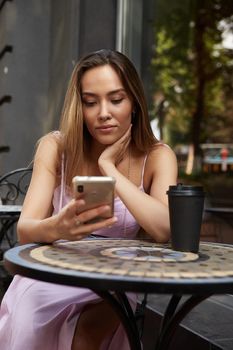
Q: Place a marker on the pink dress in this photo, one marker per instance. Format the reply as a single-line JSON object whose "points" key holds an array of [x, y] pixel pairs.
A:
{"points": [[37, 315]]}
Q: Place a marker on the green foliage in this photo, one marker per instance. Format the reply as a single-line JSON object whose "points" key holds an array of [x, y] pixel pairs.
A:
{"points": [[188, 53]]}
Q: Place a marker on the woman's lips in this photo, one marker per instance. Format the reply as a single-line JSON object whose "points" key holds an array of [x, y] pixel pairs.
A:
{"points": [[106, 128]]}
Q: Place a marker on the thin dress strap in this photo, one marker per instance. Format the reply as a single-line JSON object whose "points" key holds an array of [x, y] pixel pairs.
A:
{"points": [[143, 169], [62, 181]]}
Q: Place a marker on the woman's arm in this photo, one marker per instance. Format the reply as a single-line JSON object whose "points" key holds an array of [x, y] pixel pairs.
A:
{"points": [[150, 210], [36, 223], [38, 201]]}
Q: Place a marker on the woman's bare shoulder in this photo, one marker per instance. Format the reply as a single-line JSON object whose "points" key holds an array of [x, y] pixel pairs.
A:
{"points": [[48, 150], [49, 141], [161, 164], [161, 150], [162, 158]]}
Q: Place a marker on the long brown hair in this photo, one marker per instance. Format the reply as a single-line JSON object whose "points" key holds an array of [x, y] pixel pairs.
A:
{"points": [[75, 136]]}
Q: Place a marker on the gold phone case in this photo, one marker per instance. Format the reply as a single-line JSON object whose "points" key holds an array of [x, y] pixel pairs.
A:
{"points": [[96, 191]]}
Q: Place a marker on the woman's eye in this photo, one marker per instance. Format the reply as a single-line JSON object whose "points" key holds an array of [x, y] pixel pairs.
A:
{"points": [[89, 103], [117, 101]]}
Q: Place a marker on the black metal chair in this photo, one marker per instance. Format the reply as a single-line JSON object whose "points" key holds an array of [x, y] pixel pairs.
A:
{"points": [[13, 187]]}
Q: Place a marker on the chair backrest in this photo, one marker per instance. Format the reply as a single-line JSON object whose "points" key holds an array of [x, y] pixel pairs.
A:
{"points": [[14, 185]]}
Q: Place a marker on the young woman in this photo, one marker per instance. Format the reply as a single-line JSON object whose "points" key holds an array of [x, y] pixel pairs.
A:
{"points": [[104, 130]]}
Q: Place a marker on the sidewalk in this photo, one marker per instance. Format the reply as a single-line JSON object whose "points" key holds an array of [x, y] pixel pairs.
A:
{"points": [[207, 326]]}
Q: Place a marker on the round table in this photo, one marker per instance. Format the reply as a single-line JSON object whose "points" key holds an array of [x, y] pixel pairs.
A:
{"points": [[120, 266]]}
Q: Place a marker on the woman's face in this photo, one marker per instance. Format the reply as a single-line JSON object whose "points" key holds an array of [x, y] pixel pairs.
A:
{"points": [[107, 107]]}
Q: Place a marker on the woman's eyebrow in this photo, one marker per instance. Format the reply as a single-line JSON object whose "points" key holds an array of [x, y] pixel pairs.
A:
{"points": [[86, 93], [116, 91], [113, 92]]}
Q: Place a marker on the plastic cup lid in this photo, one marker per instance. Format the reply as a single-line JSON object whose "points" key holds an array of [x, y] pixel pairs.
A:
{"points": [[185, 189]]}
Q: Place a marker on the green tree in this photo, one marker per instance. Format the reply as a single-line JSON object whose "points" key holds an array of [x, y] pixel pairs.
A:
{"points": [[193, 71]]}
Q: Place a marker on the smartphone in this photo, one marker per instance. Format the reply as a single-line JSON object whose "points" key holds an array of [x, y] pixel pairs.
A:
{"points": [[96, 191]]}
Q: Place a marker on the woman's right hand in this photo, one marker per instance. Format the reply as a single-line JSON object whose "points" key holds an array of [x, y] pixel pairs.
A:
{"points": [[71, 225], [114, 153]]}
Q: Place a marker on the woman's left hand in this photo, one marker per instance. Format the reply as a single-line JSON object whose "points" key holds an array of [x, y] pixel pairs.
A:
{"points": [[115, 153]]}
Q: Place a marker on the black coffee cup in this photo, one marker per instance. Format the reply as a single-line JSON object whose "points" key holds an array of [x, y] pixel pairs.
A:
{"points": [[186, 205]]}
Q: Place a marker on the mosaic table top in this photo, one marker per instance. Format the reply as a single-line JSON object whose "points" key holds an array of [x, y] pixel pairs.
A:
{"points": [[137, 258]]}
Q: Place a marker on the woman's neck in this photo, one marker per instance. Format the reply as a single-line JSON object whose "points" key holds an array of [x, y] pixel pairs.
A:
{"points": [[91, 167]]}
